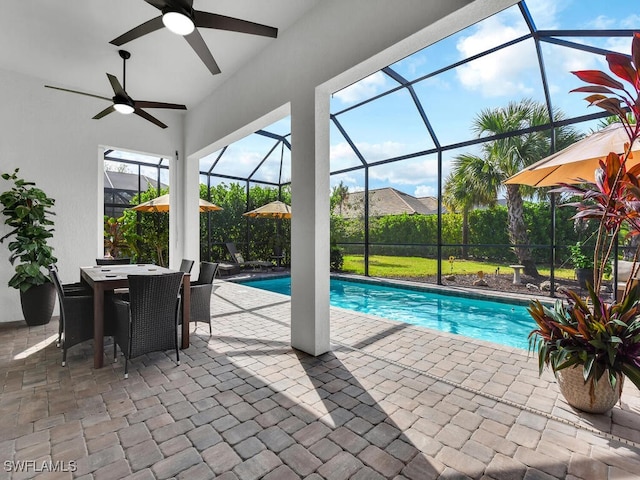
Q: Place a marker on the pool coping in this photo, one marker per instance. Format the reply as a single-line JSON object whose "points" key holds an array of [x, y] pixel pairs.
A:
{"points": [[454, 291]]}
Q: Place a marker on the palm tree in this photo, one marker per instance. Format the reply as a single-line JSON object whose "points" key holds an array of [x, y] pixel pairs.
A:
{"points": [[338, 195], [504, 157], [461, 196]]}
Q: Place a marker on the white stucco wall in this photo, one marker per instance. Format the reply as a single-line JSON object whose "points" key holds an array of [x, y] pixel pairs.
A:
{"points": [[51, 137]]}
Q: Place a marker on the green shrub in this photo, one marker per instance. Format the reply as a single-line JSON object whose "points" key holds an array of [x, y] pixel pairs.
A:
{"points": [[336, 260]]}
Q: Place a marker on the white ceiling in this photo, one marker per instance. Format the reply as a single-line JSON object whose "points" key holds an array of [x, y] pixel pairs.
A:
{"points": [[66, 44]]}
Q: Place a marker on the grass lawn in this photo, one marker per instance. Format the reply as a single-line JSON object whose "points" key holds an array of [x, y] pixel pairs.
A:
{"points": [[388, 266]]}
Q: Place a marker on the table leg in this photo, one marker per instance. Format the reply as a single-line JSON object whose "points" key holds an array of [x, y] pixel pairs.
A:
{"points": [[98, 325], [186, 309]]}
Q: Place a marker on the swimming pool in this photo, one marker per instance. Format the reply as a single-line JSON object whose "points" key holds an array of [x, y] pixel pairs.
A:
{"points": [[504, 323]]}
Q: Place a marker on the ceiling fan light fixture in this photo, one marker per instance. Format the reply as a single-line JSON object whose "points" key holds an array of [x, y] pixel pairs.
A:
{"points": [[178, 23], [123, 108]]}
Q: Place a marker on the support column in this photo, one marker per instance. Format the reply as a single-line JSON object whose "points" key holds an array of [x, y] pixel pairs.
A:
{"points": [[186, 229], [310, 223], [100, 212]]}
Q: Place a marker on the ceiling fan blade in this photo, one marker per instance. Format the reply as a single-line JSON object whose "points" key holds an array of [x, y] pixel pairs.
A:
{"points": [[146, 116], [187, 5], [117, 88], [79, 93], [139, 31], [145, 104], [159, 4], [220, 22], [197, 43], [104, 112]]}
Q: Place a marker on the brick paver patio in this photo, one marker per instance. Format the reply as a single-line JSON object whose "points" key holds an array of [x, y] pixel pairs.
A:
{"points": [[389, 401]]}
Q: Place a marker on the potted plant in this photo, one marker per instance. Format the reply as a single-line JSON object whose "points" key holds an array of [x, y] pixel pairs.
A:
{"points": [[582, 263], [593, 344], [27, 210]]}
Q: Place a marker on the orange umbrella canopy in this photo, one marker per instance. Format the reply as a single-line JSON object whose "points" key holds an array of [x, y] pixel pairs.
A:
{"points": [[161, 204], [276, 209], [578, 162]]}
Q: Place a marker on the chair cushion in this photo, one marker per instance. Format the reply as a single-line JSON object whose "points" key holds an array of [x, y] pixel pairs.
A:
{"points": [[239, 258]]}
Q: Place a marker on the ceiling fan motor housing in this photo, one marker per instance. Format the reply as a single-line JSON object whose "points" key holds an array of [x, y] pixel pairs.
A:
{"points": [[123, 104]]}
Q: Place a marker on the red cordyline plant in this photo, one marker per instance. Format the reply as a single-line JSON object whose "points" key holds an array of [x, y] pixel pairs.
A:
{"points": [[601, 336], [615, 197]]}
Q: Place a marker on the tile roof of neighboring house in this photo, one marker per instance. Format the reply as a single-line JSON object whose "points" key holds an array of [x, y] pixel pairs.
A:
{"points": [[386, 201], [128, 181]]}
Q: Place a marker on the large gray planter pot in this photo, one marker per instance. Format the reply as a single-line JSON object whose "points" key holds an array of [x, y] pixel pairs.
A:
{"points": [[37, 304]]}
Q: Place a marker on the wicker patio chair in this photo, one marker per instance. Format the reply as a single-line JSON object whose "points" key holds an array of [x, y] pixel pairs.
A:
{"points": [[201, 294], [148, 321], [77, 288], [186, 265], [76, 315]]}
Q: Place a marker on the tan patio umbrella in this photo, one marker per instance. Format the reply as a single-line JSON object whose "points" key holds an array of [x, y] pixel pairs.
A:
{"points": [[161, 204], [276, 209], [577, 163]]}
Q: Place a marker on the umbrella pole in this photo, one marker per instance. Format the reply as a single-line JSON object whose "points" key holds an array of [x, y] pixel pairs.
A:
{"points": [[552, 279]]}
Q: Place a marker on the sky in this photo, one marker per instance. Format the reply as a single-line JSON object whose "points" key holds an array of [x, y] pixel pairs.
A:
{"points": [[391, 125]]}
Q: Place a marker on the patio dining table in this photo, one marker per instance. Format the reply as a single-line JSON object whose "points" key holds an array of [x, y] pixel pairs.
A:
{"points": [[103, 278]]}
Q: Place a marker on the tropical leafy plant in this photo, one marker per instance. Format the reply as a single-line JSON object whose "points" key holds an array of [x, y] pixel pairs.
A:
{"points": [[614, 198], [600, 335], [27, 210], [114, 241], [147, 234], [579, 258]]}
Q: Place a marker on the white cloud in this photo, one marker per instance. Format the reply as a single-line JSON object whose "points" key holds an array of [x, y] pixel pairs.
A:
{"points": [[505, 72], [408, 172], [545, 13], [424, 191], [239, 162], [363, 89], [631, 21], [413, 63], [437, 82], [342, 155], [381, 151], [340, 150], [601, 22], [620, 45], [348, 180]]}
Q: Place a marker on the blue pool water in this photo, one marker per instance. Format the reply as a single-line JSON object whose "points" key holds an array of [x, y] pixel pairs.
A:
{"points": [[504, 323]]}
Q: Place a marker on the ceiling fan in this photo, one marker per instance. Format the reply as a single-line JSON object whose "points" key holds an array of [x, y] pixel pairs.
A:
{"points": [[122, 102], [180, 17]]}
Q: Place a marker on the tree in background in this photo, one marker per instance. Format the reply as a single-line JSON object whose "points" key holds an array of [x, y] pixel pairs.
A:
{"points": [[338, 195], [461, 197], [504, 157], [147, 234], [256, 237]]}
